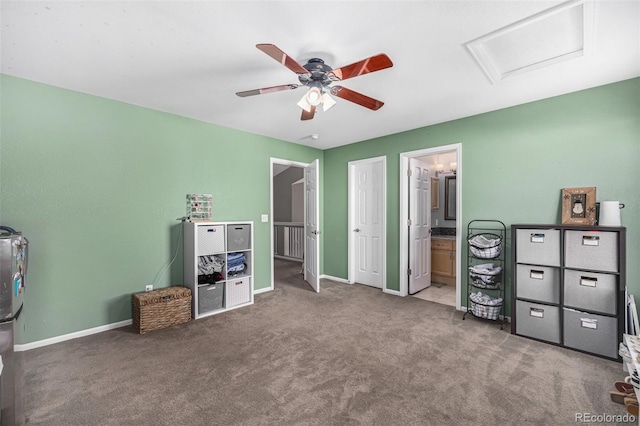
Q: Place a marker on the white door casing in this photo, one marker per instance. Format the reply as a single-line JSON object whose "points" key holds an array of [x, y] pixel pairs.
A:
{"points": [[403, 278], [419, 224], [311, 231], [367, 221]]}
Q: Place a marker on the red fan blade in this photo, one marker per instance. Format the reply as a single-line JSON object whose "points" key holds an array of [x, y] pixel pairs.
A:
{"points": [[265, 90], [355, 97], [286, 60], [372, 64], [308, 115]]}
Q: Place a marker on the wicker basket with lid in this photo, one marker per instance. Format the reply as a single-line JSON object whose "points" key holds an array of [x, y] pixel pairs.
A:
{"points": [[157, 309]]}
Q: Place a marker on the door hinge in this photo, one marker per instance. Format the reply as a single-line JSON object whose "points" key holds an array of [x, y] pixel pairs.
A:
{"points": [[409, 272], [409, 222], [409, 173]]}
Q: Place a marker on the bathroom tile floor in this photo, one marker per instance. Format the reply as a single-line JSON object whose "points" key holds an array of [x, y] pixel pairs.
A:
{"points": [[438, 293]]}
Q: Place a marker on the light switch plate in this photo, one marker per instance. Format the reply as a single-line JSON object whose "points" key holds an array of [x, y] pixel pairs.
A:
{"points": [[265, 218]]}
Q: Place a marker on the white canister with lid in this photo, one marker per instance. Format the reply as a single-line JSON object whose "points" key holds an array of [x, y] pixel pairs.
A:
{"points": [[610, 213]]}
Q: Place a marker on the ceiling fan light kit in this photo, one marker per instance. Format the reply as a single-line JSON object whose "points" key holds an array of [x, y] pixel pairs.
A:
{"points": [[317, 75]]}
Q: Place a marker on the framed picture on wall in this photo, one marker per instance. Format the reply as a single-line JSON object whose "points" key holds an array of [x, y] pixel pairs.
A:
{"points": [[579, 206]]}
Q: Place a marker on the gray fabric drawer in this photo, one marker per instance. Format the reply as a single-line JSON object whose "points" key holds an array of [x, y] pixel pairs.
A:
{"points": [[538, 321], [540, 283], [594, 250], [538, 246], [591, 333], [210, 298], [238, 237], [591, 291]]}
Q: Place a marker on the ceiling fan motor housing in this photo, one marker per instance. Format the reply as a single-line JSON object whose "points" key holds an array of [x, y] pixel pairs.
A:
{"points": [[318, 73]]}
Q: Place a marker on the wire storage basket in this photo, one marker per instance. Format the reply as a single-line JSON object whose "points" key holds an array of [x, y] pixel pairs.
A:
{"points": [[485, 306], [486, 275], [486, 245]]}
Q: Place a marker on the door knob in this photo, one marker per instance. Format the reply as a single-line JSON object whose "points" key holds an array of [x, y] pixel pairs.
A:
{"points": [[356, 230]]}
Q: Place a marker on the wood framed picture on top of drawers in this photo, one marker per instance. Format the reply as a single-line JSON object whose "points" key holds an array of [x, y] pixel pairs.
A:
{"points": [[568, 286]]}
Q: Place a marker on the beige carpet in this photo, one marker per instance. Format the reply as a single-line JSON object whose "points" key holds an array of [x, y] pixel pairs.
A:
{"points": [[350, 355]]}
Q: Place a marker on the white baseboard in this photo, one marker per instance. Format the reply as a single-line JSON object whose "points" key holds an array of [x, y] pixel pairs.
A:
{"points": [[262, 290], [70, 336], [336, 279], [393, 292]]}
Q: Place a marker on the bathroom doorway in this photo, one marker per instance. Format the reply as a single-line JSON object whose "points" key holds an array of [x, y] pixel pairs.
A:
{"points": [[443, 167]]}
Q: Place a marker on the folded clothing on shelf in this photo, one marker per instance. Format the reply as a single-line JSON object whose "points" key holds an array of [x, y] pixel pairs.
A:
{"points": [[236, 263], [207, 265]]}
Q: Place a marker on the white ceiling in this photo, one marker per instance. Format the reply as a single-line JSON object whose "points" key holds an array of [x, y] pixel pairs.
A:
{"points": [[190, 57]]}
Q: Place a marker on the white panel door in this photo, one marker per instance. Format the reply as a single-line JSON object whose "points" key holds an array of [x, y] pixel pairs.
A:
{"points": [[368, 227], [419, 226], [311, 231]]}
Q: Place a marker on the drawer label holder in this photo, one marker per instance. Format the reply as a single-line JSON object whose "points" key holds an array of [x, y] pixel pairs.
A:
{"points": [[590, 240], [535, 274], [589, 323], [536, 312], [537, 238], [588, 281]]}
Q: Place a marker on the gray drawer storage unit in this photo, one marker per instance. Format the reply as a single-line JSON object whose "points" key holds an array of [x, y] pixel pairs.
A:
{"points": [[538, 246], [538, 321], [591, 333], [541, 283], [591, 291], [593, 250], [211, 298], [569, 280], [238, 237]]}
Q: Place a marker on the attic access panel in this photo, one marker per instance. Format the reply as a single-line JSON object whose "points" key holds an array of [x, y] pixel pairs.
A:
{"points": [[552, 36]]}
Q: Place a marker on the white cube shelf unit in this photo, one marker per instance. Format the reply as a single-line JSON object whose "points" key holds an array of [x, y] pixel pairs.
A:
{"points": [[218, 266]]}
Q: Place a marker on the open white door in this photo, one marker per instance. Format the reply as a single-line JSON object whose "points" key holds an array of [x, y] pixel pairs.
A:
{"points": [[311, 231], [419, 223]]}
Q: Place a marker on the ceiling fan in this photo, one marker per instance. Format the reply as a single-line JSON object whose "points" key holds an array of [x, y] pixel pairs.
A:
{"points": [[318, 76]]}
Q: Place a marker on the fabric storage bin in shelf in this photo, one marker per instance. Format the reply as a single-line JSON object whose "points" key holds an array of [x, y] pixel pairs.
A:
{"points": [[210, 239], [540, 283], [591, 291], [594, 250], [210, 298], [238, 237], [538, 321], [591, 333], [238, 292], [538, 246]]}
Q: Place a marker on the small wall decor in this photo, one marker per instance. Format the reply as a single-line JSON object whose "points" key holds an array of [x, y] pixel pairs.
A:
{"points": [[579, 206]]}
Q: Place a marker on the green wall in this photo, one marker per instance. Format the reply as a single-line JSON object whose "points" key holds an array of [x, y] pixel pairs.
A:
{"points": [[515, 162], [97, 185]]}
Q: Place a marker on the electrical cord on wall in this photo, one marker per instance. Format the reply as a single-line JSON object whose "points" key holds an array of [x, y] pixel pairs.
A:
{"points": [[162, 271]]}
